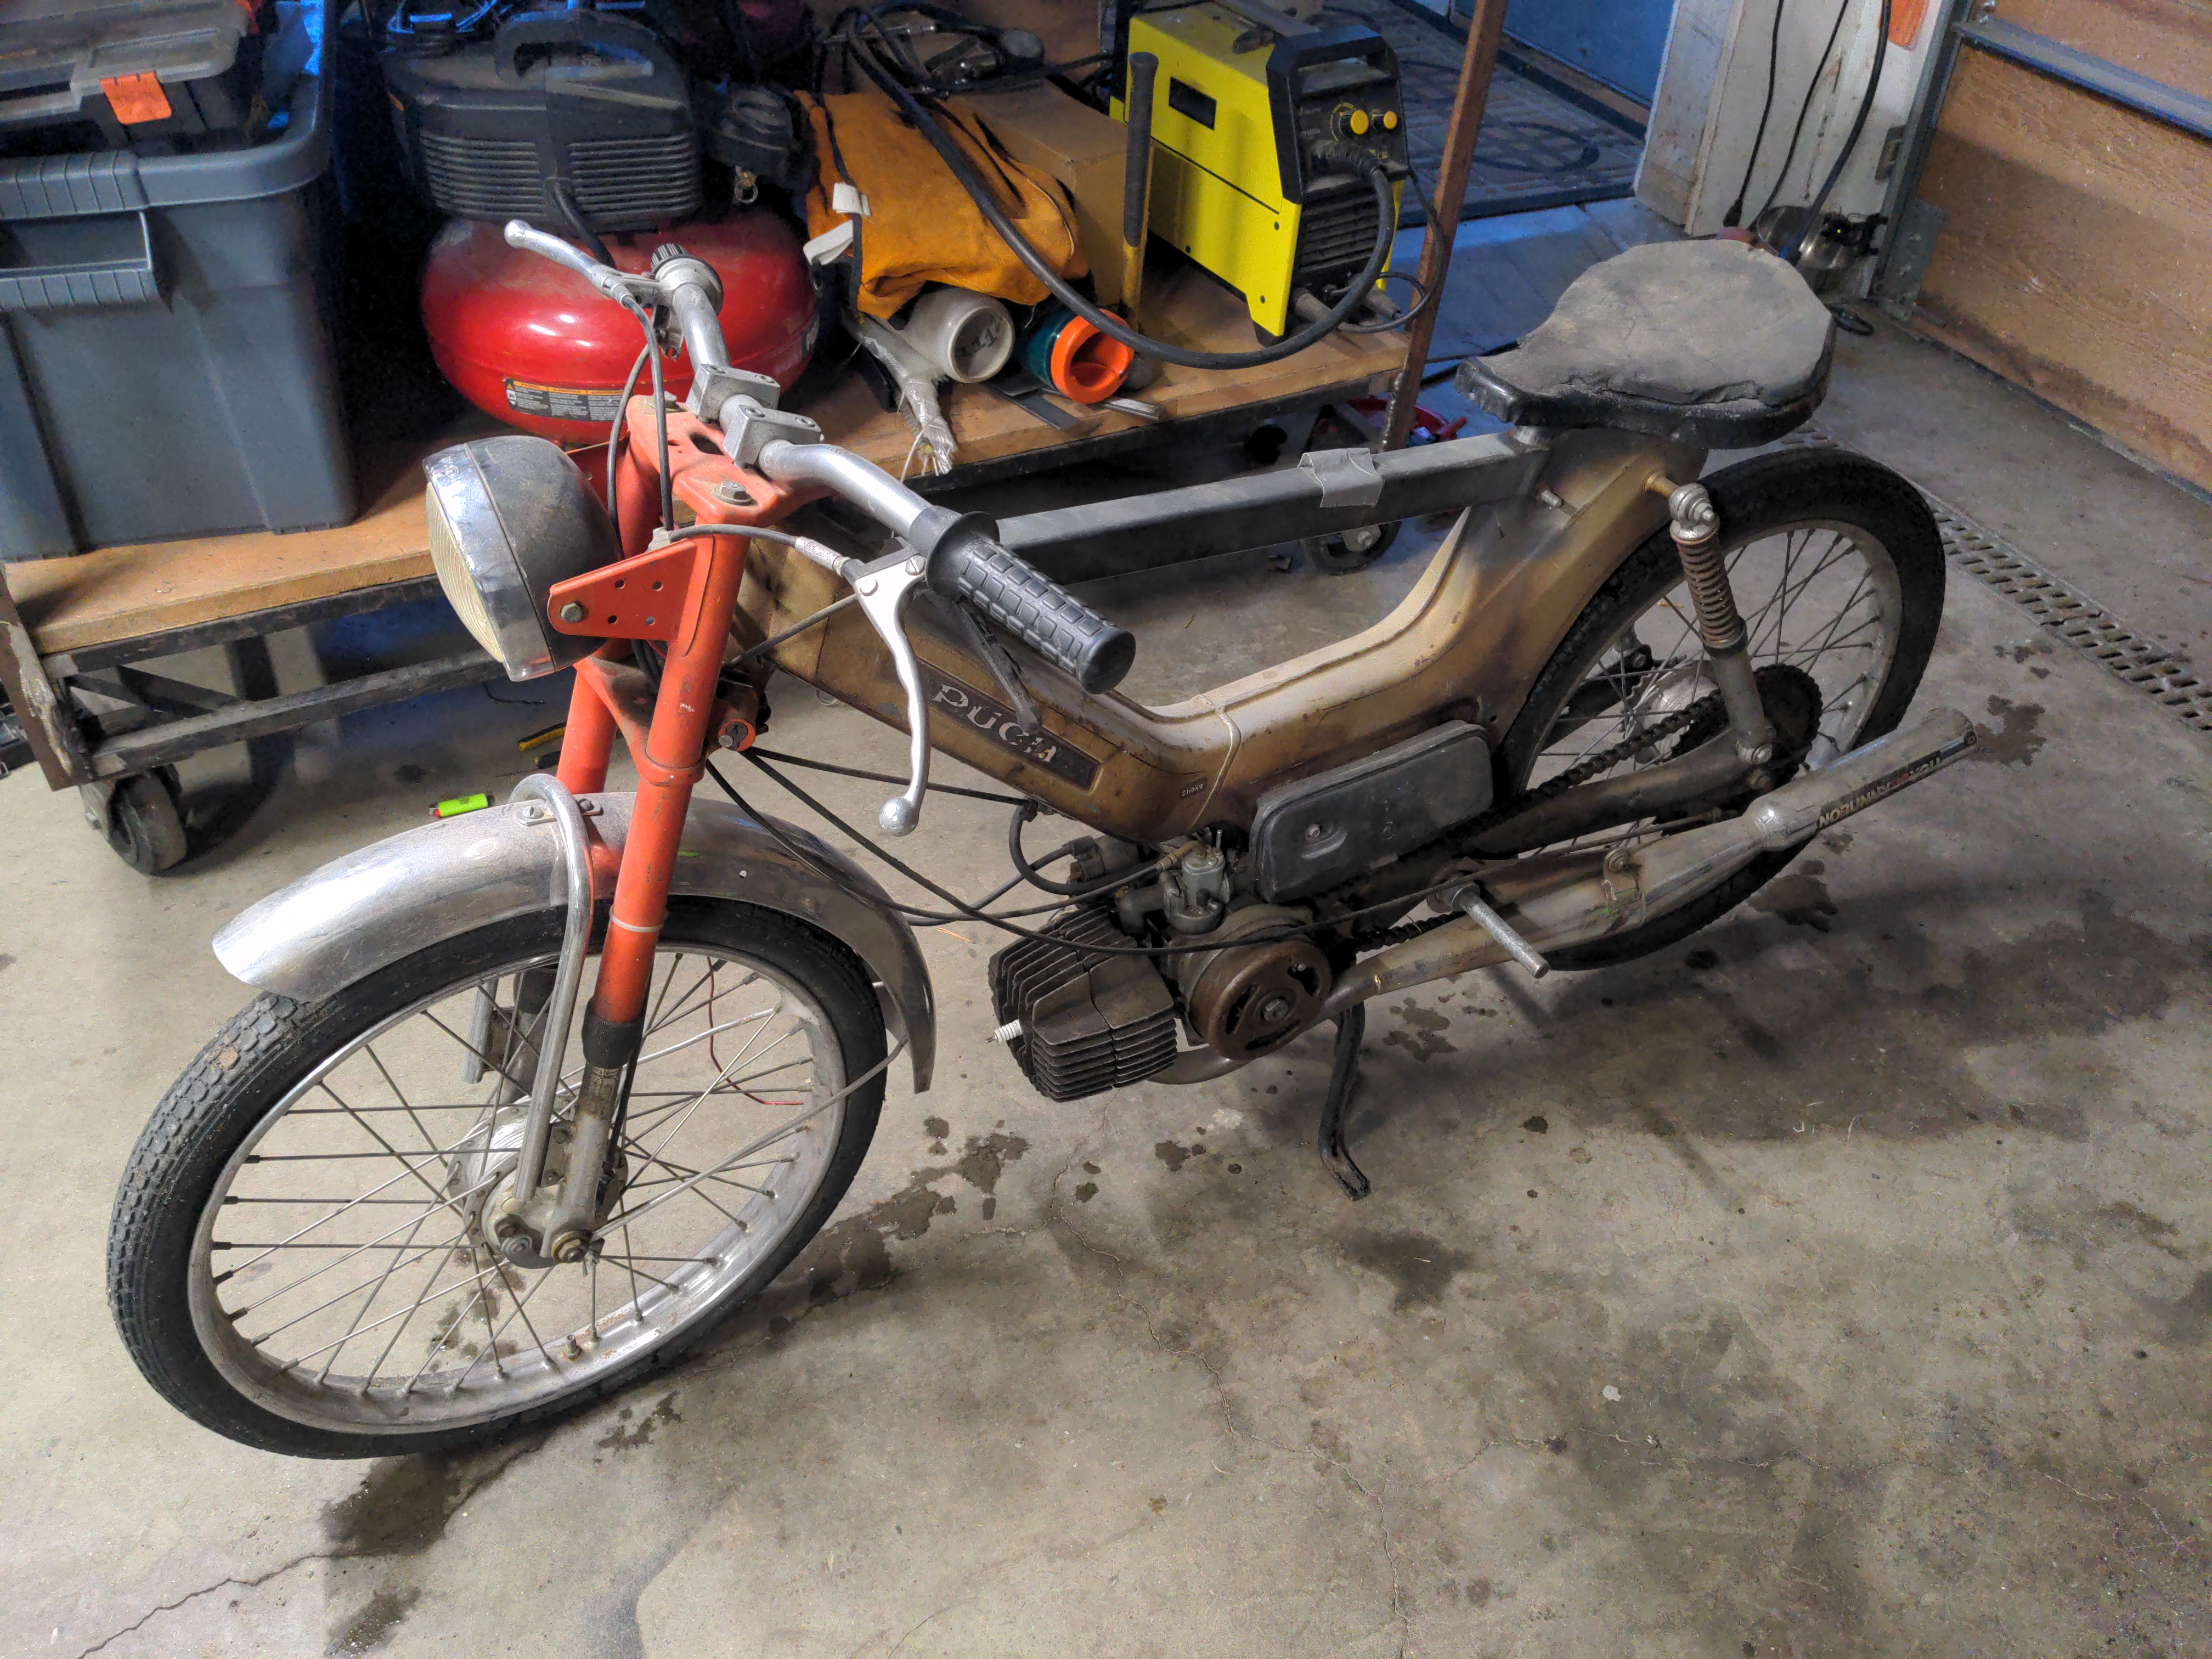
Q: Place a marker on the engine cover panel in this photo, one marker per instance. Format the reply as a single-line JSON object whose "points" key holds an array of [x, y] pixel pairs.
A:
{"points": [[1327, 829]]}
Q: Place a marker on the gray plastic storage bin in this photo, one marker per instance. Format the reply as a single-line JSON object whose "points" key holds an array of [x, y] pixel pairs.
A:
{"points": [[165, 362]]}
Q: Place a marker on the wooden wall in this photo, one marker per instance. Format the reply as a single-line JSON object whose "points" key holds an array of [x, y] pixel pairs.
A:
{"points": [[2075, 257]]}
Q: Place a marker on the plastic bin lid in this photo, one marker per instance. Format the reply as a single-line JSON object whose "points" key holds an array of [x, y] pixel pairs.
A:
{"points": [[118, 181], [60, 51]]}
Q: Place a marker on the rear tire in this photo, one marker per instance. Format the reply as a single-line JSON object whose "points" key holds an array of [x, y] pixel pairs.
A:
{"points": [[253, 1074], [1774, 495]]}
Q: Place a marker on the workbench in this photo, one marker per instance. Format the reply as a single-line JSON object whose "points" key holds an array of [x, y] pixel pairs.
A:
{"points": [[79, 628], [82, 625]]}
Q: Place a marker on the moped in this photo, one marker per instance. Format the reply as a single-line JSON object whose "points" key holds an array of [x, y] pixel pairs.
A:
{"points": [[531, 1099]]}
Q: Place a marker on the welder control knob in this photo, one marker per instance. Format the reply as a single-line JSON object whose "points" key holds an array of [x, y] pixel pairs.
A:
{"points": [[1389, 120], [1353, 123]]}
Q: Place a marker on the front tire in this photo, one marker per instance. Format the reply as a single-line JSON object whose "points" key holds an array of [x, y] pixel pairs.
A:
{"points": [[361, 1097], [1838, 571]]}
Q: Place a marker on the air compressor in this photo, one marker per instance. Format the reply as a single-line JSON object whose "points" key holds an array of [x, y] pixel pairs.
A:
{"points": [[527, 344], [589, 124]]}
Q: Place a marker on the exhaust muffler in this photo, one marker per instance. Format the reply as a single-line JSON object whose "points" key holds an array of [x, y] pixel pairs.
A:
{"points": [[1575, 898]]}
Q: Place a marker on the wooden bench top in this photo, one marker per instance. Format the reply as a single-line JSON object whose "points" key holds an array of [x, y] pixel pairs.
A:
{"points": [[131, 592]]}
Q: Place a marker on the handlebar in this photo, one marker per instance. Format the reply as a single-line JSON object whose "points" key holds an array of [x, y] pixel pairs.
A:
{"points": [[964, 561], [955, 555], [1034, 609]]}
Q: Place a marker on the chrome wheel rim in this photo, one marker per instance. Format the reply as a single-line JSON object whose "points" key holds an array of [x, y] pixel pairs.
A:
{"points": [[340, 1276], [1817, 595]]}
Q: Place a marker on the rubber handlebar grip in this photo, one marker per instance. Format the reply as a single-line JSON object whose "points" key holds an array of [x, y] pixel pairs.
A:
{"points": [[968, 564]]}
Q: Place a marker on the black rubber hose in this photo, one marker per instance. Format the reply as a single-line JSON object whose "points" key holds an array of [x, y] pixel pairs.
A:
{"points": [[1858, 126], [558, 190], [1386, 228]]}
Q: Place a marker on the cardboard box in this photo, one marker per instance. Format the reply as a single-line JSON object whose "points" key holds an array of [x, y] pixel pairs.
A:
{"points": [[1087, 151]]}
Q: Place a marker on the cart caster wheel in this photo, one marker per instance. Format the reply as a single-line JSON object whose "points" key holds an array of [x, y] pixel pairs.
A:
{"points": [[1354, 549], [144, 824]]}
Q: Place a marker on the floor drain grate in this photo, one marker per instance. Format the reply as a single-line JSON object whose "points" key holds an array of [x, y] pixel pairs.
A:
{"points": [[2161, 674]]}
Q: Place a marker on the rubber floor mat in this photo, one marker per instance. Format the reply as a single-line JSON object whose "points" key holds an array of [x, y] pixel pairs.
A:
{"points": [[1539, 147]]}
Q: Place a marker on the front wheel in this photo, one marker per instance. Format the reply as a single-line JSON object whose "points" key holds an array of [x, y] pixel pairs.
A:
{"points": [[301, 1256], [1838, 569]]}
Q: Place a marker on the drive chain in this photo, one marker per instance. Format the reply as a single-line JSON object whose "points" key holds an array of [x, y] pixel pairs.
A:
{"points": [[1589, 767]]}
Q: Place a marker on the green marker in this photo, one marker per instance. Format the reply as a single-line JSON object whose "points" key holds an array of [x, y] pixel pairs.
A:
{"points": [[459, 804]]}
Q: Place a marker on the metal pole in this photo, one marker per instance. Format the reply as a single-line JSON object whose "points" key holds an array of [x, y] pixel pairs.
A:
{"points": [[1476, 68], [1137, 180]]}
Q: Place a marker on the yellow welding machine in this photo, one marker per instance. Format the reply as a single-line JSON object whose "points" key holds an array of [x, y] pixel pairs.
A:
{"points": [[1238, 112]]}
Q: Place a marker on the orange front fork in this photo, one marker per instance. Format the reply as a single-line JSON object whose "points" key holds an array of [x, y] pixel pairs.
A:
{"points": [[683, 596]]}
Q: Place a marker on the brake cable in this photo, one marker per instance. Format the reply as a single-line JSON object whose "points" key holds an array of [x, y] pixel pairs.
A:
{"points": [[968, 913]]}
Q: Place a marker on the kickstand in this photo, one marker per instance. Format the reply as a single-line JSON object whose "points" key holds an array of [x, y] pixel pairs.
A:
{"points": [[1343, 1078]]}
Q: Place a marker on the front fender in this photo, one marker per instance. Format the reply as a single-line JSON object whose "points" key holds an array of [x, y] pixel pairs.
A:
{"points": [[370, 909]]}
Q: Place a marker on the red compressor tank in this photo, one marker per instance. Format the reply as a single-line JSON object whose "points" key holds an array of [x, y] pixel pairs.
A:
{"points": [[535, 346]]}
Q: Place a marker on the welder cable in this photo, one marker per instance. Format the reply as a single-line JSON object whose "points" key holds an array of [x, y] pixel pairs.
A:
{"points": [[1734, 216], [918, 74], [1858, 126], [1804, 110], [1423, 296], [956, 159]]}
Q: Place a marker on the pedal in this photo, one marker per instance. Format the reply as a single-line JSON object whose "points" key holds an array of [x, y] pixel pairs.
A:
{"points": [[1468, 901]]}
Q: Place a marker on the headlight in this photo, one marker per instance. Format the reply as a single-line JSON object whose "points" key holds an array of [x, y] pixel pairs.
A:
{"points": [[509, 517]]}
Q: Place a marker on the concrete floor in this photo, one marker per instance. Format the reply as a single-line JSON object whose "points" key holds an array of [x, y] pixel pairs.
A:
{"points": [[1840, 1285]]}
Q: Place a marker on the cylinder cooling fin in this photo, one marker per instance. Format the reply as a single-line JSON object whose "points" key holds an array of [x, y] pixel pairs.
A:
{"points": [[1089, 1023]]}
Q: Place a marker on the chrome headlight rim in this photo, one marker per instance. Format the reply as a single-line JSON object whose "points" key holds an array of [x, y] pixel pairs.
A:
{"points": [[518, 518]]}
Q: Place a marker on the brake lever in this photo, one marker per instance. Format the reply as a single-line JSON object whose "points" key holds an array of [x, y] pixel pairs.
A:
{"points": [[634, 294], [884, 589]]}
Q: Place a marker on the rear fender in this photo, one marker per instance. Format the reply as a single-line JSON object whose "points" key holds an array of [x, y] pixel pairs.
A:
{"points": [[363, 912]]}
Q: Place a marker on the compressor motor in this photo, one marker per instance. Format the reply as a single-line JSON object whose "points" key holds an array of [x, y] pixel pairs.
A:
{"points": [[500, 118]]}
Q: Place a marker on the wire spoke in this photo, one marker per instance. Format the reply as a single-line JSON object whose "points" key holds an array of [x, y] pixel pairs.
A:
{"points": [[413, 1308], [354, 1289], [388, 1318], [232, 1273], [369, 1129], [390, 1268], [438, 1265]]}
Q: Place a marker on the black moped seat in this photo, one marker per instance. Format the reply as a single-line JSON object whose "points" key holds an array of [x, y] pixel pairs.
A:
{"points": [[1718, 344]]}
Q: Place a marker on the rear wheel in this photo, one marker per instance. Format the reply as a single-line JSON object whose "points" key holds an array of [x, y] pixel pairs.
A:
{"points": [[1839, 572], [300, 1255]]}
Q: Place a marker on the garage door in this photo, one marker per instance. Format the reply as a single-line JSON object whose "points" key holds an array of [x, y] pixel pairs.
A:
{"points": [[2072, 162]]}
